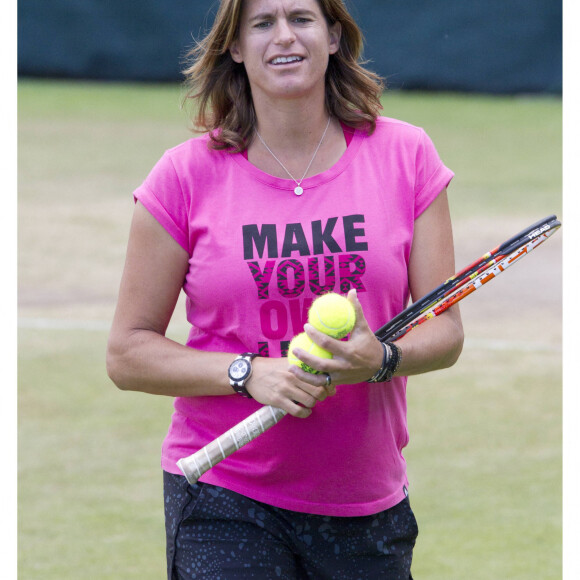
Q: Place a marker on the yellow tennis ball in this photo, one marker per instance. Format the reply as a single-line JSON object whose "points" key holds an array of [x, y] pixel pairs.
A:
{"points": [[304, 342], [332, 314]]}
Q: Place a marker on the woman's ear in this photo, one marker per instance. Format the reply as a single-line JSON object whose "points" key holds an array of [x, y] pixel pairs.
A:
{"points": [[335, 31], [235, 52]]}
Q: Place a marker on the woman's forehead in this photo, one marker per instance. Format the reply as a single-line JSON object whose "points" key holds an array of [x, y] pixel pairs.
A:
{"points": [[251, 7]]}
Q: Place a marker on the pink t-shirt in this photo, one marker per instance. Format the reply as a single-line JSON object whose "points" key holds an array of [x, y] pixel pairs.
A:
{"points": [[259, 255]]}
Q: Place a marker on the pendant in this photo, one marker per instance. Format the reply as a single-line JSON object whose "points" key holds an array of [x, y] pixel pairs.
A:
{"points": [[298, 190]]}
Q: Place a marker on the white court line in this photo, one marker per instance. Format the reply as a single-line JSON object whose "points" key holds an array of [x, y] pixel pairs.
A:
{"points": [[105, 326], [63, 324]]}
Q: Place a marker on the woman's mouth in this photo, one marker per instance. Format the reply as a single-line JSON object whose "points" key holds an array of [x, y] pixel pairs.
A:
{"points": [[285, 59]]}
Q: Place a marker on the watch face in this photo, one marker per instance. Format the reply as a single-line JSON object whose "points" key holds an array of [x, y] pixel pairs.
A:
{"points": [[239, 369]]}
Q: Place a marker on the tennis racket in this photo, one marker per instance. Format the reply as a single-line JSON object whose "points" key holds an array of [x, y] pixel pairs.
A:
{"points": [[456, 288]]}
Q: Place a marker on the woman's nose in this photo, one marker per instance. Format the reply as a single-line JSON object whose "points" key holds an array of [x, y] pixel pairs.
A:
{"points": [[284, 33]]}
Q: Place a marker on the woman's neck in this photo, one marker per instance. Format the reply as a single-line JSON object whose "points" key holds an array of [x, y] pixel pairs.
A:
{"points": [[298, 145], [286, 127]]}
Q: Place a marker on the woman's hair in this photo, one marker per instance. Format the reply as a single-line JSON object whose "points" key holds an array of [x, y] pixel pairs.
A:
{"points": [[221, 87]]}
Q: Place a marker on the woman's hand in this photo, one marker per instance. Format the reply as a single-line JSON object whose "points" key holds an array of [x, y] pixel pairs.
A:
{"points": [[354, 361], [273, 383]]}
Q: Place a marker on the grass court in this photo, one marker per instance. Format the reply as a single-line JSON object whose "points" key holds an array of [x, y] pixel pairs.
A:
{"points": [[485, 456]]}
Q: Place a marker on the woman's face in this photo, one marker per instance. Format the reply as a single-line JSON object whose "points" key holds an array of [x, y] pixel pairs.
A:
{"points": [[285, 46]]}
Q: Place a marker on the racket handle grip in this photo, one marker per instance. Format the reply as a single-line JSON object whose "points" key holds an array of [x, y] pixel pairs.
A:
{"points": [[194, 466]]}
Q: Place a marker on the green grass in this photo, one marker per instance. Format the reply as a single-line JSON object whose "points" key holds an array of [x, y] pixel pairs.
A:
{"points": [[485, 460], [506, 152], [485, 452], [90, 485], [484, 463]]}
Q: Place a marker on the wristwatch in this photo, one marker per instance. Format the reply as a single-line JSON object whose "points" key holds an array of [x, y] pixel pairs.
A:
{"points": [[239, 373]]}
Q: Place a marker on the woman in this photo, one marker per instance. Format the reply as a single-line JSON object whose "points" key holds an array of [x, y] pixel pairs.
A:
{"points": [[297, 188]]}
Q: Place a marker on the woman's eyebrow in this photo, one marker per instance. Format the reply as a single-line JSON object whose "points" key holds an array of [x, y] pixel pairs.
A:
{"points": [[269, 15]]}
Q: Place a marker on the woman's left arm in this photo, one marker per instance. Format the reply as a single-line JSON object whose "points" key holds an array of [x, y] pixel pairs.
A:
{"points": [[432, 346], [437, 344]]}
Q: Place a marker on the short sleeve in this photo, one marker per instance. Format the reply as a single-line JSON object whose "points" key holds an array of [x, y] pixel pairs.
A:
{"points": [[161, 194], [431, 175]]}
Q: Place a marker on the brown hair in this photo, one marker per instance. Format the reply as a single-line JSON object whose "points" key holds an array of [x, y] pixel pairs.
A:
{"points": [[222, 89]]}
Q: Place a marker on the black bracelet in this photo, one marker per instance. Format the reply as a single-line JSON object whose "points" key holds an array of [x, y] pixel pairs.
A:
{"points": [[392, 356], [378, 377], [395, 360]]}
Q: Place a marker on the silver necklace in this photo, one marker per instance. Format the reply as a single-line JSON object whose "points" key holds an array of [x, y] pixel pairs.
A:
{"points": [[298, 189]]}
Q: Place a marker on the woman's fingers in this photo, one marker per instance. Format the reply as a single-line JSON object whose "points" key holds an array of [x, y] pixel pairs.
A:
{"points": [[288, 387]]}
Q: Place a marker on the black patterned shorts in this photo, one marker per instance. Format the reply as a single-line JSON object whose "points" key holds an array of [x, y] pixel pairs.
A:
{"points": [[216, 534]]}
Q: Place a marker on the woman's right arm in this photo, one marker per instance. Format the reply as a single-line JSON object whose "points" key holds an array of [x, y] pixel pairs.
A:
{"points": [[141, 358]]}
